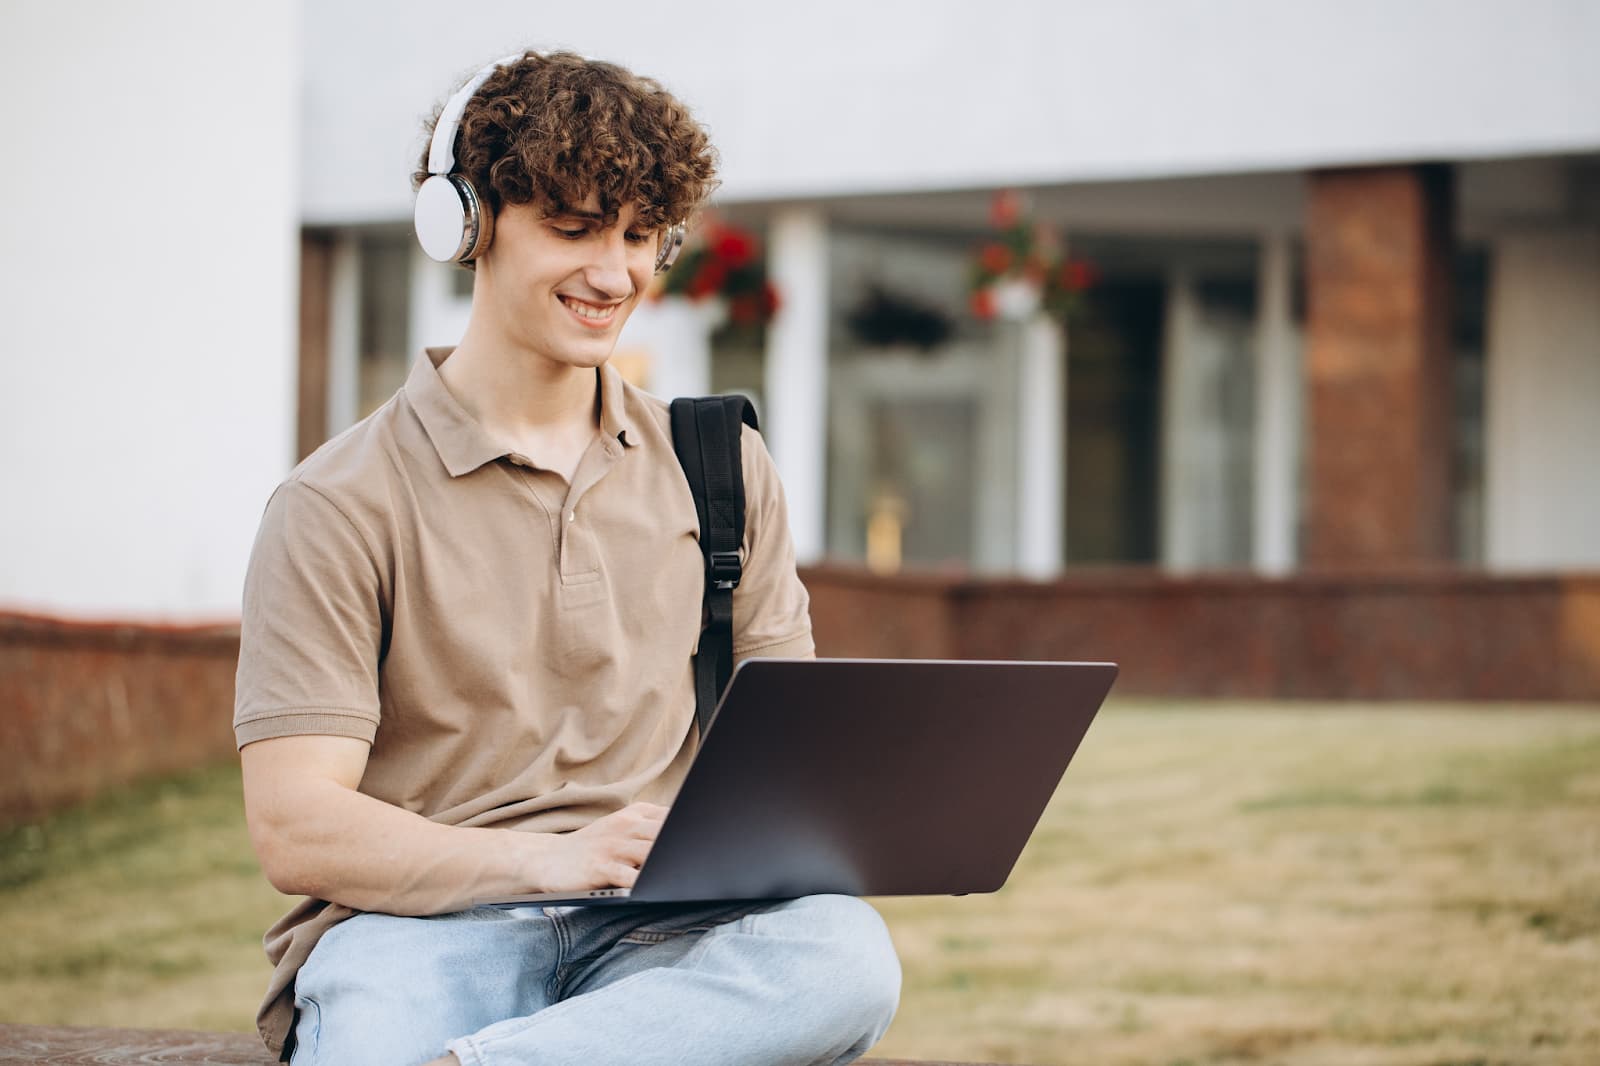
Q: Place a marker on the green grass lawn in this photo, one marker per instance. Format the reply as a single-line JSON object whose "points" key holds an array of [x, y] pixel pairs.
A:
{"points": [[1395, 886]]}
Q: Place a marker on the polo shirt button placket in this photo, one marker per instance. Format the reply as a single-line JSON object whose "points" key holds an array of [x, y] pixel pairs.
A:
{"points": [[566, 539]]}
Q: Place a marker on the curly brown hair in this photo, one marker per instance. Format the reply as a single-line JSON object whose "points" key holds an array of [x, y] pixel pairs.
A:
{"points": [[552, 128]]}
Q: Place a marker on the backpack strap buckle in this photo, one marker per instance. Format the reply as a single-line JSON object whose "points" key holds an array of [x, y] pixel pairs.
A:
{"points": [[724, 570]]}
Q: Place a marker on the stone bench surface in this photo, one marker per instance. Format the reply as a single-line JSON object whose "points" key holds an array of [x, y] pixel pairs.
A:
{"points": [[113, 1047], [44, 1045]]}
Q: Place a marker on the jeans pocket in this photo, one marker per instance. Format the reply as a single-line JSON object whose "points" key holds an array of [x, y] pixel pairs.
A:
{"points": [[307, 1031]]}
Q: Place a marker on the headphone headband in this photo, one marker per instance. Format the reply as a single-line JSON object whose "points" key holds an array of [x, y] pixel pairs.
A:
{"points": [[442, 149]]}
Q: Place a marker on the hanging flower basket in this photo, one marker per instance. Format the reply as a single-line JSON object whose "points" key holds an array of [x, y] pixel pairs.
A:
{"points": [[725, 264], [1021, 270]]}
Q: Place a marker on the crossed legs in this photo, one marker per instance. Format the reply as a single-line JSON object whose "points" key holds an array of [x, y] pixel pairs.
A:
{"points": [[807, 981]]}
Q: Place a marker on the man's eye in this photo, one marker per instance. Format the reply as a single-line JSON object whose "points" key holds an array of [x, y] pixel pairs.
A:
{"points": [[571, 234], [640, 238]]}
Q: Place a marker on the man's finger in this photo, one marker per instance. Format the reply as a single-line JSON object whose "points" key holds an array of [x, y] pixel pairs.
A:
{"points": [[646, 823], [639, 812], [634, 852]]}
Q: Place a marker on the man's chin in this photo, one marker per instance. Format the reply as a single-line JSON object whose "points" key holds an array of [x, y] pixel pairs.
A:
{"points": [[580, 356], [590, 351], [589, 361]]}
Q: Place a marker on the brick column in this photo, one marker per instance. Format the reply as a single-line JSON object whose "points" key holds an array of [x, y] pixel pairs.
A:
{"points": [[1378, 265]]}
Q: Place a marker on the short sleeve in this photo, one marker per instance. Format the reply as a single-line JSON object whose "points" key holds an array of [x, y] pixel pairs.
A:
{"points": [[311, 632], [771, 609]]}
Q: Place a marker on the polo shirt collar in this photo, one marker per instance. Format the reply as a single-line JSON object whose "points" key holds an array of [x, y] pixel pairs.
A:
{"points": [[616, 418], [463, 444]]}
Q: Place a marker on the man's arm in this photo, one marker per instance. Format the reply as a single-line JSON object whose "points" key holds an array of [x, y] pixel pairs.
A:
{"points": [[307, 709], [771, 611], [317, 836]]}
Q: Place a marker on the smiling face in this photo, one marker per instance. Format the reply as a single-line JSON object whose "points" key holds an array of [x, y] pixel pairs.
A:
{"points": [[561, 286]]}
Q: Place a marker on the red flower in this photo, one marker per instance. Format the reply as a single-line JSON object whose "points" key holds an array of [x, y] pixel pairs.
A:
{"points": [[733, 247], [1077, 275], [1005, 209], [995, 258], [983, 303], [769, 299], [708, 281]]}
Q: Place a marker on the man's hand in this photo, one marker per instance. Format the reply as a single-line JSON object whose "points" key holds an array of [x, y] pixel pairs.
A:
{"points": [[606, 853]]}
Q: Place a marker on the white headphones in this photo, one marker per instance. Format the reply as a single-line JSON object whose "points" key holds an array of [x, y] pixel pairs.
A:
{"points": [[452, 223]]}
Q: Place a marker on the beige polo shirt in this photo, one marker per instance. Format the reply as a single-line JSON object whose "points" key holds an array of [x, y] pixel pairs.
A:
{"points": [[516, 649]]}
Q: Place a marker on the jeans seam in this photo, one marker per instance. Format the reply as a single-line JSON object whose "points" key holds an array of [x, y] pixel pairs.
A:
{"points": [[471, 1046], [552, 985]]}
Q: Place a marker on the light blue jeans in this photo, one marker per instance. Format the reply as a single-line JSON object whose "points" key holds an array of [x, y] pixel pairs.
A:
{"points": [[804, 981]]}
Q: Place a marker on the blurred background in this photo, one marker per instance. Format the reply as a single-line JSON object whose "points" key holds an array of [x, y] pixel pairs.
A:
{"points": [[1253, 345]]}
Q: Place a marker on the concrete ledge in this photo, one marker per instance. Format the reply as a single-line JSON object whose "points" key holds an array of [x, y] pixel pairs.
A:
{"points": [[43, 1045]]}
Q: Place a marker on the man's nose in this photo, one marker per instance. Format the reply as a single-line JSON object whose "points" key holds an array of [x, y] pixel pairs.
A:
{"points": [[608, 270]]}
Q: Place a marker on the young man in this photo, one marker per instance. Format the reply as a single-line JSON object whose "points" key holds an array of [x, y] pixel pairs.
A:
{"points": [[466, 660]]}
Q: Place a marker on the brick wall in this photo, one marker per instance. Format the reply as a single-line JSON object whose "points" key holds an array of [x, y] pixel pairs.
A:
{"points": [[1428, 634], [84, 706]]}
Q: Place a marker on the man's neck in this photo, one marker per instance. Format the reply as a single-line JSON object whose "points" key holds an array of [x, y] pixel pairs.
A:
{"points": [[544, 410]]}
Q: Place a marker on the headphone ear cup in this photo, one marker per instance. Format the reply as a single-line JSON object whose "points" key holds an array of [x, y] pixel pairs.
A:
{"points": [[479, 221], [671, 245], [450, 222]]}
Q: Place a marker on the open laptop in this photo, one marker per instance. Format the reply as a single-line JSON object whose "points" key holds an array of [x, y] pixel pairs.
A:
{"points": [[865, 777]]}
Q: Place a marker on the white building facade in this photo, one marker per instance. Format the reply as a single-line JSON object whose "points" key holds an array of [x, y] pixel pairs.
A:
{"points": [[1171, 144], [150, 243], [1176, 146]]}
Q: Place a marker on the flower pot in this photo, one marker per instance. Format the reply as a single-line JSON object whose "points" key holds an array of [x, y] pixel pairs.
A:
{"points": [[1015, 298]]}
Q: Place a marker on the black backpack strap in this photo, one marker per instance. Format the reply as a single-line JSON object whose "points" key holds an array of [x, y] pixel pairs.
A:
{"points": [[705, 434]]}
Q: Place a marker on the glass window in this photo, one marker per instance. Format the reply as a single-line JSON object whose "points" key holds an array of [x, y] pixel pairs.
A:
{"points": [[922, 409], [383, 344], [1467, 378], [1113, 427]]}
